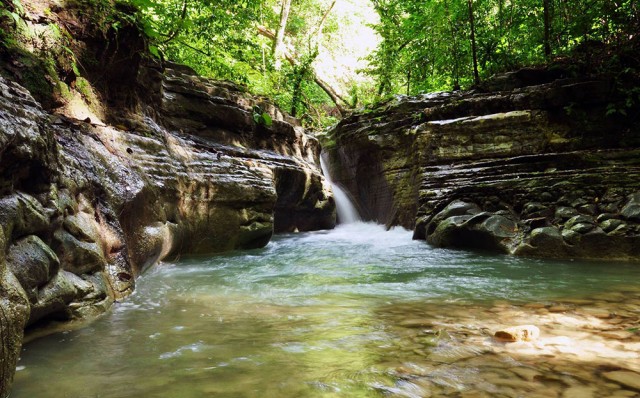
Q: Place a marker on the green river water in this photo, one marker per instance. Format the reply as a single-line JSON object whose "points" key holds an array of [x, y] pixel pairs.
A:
{"points": [[353, 312]]}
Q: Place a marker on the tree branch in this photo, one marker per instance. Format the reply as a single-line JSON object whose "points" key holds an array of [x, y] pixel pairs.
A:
{"points": [[183, 15], [293, 60], [278, 44], [318, 32]]}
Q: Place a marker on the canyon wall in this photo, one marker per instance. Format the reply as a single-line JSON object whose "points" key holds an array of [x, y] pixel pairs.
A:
{"points": [[533, 164], [86, 206]]}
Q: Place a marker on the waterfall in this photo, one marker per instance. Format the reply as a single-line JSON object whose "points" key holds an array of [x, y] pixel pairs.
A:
{"points": [[347, 213]]}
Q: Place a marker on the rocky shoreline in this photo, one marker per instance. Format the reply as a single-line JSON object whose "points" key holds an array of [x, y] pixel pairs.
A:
{"points": [[86, 206], [543, 169]]}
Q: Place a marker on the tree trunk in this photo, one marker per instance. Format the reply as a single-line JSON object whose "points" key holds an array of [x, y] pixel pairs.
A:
{"points": [[454, 50], [317, 35], [547, 28], [331, 92], [278, 44], [474, 50]]}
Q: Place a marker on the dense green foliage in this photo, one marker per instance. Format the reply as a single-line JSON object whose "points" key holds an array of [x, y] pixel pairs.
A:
{"points": [[226, 39], [427, 45], [414, 46]]}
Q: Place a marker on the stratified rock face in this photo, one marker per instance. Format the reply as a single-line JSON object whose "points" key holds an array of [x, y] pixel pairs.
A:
{"points": [[84, 207], [536, 171]]}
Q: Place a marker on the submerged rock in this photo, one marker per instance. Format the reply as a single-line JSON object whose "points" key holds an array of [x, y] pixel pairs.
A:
{"points": [[518, 333], [625, 378]]}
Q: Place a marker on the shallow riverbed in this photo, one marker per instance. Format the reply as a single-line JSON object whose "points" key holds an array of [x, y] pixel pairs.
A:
{"points": [[354, 312]]}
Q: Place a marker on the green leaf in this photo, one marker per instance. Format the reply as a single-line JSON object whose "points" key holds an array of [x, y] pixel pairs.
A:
{"points": [[18, 6], [150, 32], [75, 69], [154, 51], [267, 120], [16, 18]]}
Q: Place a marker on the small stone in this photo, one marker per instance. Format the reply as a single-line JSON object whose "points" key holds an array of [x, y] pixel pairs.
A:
{"points": [[582, 228], [615, 297], [526, 373], [617, 334], [577, 301], [565, 213], [416, 323], [516, 384], [587, 209], [459, 208], [596, 312], [579, 202], [518, 333], [571, 237], [631, 211], [573, 222], [579, 392], [546, 197], [533, 208], [545, 236], [604, 217], [474, 394], [624, 377], [539, 222], [559, 308], [535, 305], [620, 231], [623, 394], [611, 225]]}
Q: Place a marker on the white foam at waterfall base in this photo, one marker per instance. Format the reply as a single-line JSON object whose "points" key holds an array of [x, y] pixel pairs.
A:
{"points": [[347, 212]]}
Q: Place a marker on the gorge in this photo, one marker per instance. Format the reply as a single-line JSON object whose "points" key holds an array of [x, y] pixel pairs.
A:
{"points": [[167, 234]]}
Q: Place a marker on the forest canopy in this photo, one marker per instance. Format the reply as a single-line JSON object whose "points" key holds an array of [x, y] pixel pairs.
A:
{"points": [[445, 44], [318, 59], [306, 54]]}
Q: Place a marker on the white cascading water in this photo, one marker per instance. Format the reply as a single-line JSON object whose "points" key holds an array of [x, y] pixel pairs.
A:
{"points": [[347, 213]]}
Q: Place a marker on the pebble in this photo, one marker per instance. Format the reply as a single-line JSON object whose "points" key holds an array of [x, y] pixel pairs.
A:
{"points": [[417, 323], [618, 335], [600, 313], [515, 383], [534, 305], [624, 394], [526, 373], [518, 333], [579, 392], [611, 297], [474, 394], [625, 378], [577, 301]]}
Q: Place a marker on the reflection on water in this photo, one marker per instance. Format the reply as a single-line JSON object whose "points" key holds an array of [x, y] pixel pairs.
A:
{"points": [[354, 312]]}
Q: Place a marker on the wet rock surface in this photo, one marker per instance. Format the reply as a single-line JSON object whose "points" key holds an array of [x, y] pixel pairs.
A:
{"points": [[536, 170], [86, 206], [586, 348]]}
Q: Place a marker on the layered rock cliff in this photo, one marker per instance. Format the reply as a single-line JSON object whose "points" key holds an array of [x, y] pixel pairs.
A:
{"points": [[86, 206], [534, 165]]}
